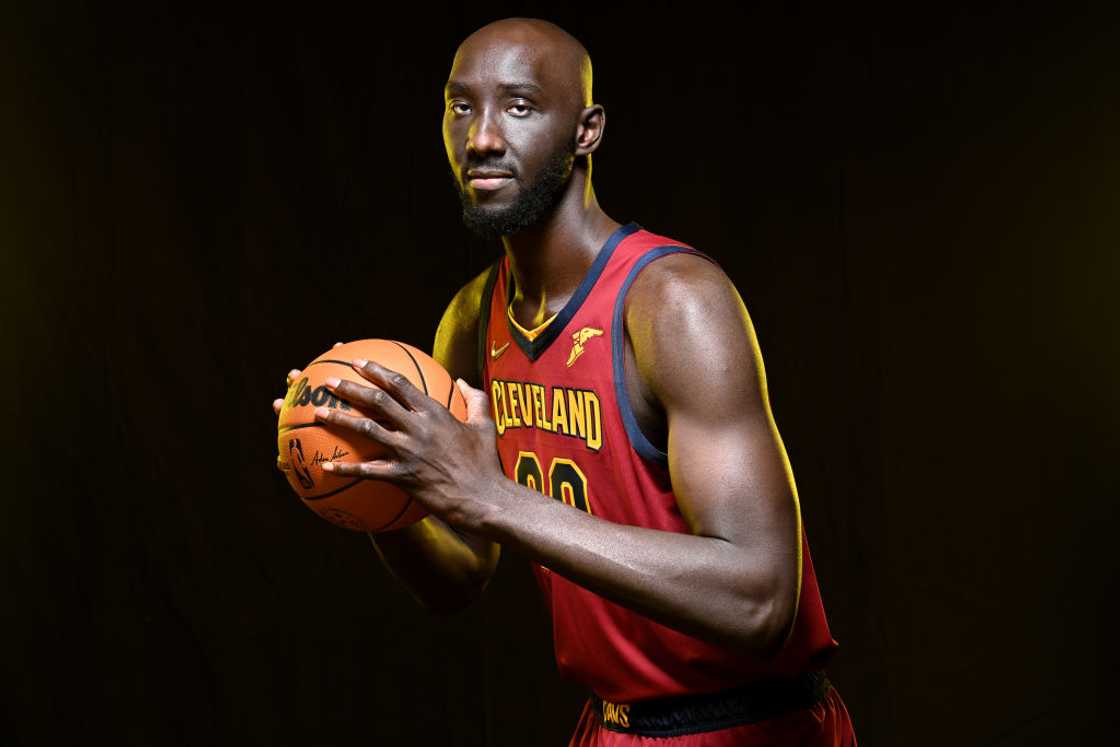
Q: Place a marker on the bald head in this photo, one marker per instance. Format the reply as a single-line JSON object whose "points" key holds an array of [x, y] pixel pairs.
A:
{"points": [[519, 125], [557, 57]]}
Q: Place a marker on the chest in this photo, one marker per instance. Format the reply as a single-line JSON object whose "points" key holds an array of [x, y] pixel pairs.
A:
{"points": [[569, 384]]}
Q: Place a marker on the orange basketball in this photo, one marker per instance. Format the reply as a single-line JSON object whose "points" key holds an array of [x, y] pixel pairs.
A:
{"points": [[356, 503]]}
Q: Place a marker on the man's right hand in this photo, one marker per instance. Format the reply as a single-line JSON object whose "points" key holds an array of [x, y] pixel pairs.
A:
{"points": [[443, 569]]}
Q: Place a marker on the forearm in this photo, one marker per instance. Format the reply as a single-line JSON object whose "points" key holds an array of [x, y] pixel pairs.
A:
{"points": [[441, 568], [704, 586]]}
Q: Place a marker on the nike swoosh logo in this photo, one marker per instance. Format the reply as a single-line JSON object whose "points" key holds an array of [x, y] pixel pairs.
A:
{"points": [[495, 352]]}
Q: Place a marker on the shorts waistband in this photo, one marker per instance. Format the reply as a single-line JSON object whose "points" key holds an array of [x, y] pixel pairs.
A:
{"points": [[691, 714]]}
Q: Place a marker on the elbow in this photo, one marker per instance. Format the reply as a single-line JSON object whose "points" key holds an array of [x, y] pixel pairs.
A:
{"points": [[765, 624], [777, 627]]}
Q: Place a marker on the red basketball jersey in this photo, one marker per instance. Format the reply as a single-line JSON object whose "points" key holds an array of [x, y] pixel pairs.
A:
{"points": [[565, 428]]}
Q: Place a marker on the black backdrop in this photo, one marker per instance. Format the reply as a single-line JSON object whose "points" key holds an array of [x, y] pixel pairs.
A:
{"points": [[919, 208]]}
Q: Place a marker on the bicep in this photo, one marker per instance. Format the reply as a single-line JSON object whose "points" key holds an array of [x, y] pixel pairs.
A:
{"points": [[456, 341], [697, 352], [456, 349], [730, 477]]}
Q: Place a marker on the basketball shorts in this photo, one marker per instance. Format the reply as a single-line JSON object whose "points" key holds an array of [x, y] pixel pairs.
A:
{"points": [[808, 713]]}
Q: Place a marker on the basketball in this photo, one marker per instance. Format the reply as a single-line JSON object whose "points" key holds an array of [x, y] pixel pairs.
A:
{"points": [[305, 444]]}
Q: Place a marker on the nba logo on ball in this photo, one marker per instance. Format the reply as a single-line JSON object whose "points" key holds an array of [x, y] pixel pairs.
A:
{"points": [[305, 444]]}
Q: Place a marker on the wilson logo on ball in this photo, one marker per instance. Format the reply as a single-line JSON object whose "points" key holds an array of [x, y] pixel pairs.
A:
{"points": [[304, 444], [303, 395]]}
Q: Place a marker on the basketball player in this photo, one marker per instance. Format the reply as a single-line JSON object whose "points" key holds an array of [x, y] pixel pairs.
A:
{"points": [[636, 463]]}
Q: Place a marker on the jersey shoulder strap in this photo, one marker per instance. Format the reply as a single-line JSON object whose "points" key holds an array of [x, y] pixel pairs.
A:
{"points": [[638, 439], [484, 319]]}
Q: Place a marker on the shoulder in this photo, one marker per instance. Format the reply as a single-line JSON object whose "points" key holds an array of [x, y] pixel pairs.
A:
{"points": [[457, 335], [463, 309], [684, 293], [686, 320], [681, 278]]}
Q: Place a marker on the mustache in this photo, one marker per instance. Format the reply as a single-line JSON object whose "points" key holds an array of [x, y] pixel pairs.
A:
{"points": [[487, 167]]}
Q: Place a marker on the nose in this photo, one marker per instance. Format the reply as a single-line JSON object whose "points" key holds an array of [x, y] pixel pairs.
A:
{"points": [[485, 136]]}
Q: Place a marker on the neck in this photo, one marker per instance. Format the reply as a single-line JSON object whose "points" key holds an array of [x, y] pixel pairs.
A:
{"points": [[548, 261]]}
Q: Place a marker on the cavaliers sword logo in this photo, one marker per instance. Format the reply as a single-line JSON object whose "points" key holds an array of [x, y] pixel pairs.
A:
{"points": [[579, 339]]}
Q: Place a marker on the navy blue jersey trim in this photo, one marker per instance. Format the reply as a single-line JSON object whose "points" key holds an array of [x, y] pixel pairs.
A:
{"points": [[638, 440], [484, 320], [533, 348]]}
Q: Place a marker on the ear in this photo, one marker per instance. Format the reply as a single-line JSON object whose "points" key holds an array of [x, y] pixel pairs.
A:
{"points": [[589, 133]]}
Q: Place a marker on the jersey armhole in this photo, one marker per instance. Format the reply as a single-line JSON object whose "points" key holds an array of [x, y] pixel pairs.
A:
{"points": [[638, 441], [484, 320]]}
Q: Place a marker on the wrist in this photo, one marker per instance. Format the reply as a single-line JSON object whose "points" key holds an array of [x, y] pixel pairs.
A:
{"points": [[512, 512], [480, 508]]}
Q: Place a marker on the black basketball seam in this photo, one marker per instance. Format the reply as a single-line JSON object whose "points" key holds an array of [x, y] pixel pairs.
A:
{"points": [[348, 364], [333, 492], [394, 520], [418, 369], [423, 382], [450, 394]]}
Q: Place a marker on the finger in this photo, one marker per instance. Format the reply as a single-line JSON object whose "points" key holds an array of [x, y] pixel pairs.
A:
{"points": [[396, 384], [369, 398], [337, 344], [371, 429], [378, 469], [293, 375], [277, 405], [478, 403]]}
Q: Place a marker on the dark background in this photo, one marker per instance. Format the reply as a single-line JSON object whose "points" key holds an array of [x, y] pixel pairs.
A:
{"points": [[919, 208]]}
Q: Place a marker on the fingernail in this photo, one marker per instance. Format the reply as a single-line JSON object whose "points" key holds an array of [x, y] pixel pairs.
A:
{"points": [[321, 412], [328, 467], [331, 382], [359, 362]]}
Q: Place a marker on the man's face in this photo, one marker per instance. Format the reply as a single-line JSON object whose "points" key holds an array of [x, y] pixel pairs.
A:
{"points": [[499, 117]]}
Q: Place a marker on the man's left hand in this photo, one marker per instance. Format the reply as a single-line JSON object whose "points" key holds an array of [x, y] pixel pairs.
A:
{"points": [[444, 463]]}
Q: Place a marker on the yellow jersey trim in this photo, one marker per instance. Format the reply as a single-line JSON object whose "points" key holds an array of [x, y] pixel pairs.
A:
{"points": [[534, 333]]}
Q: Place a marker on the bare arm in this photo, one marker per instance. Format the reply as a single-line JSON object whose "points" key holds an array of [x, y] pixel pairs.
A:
{"points": [[736, 578], [443, 568]]}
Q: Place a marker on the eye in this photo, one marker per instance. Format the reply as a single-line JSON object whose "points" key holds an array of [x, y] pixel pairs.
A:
{"points": [[526, 107], [454, 104]]}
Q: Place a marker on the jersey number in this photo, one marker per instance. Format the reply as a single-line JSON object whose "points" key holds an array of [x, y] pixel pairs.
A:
{"points": [[566, 481]]}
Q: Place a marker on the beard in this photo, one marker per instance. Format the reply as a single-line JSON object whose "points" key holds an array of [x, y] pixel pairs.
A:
{"points": [[532, 205]]}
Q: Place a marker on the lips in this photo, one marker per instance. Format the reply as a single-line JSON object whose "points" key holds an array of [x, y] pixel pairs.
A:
{"points": [[490, 183], [487, 180]]}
